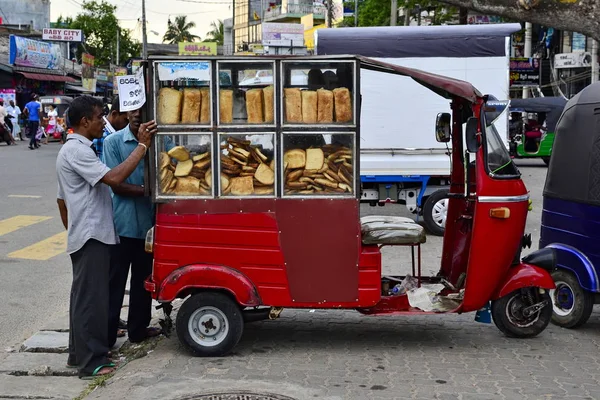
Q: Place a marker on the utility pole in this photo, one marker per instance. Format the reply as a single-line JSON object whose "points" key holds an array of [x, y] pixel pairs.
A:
{"points": [[394, 13], [355, 13], [118, 44], [527, 51], [144, 36], [594, 61], [330, 13], [407, 12]]}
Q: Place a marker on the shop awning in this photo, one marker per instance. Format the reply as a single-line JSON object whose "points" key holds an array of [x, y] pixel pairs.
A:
{"points": [[48, 77], [77, 88]]}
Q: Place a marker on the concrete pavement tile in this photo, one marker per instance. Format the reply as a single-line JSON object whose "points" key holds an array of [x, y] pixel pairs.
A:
{"points": [[58, 324], [47, 342], [34, 387], [22, 363]]}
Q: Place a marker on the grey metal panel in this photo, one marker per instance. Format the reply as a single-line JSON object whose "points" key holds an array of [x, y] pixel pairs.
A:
{"points": [[417, 41]]}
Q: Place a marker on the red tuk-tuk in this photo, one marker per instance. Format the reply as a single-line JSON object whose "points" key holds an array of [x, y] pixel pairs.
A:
{"points": [[257, 190]]}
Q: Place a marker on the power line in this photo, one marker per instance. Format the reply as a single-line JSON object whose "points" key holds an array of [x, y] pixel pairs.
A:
{"points": [[206, 2]]}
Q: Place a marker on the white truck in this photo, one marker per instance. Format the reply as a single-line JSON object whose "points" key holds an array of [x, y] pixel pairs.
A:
{"points": [[401, 162]]}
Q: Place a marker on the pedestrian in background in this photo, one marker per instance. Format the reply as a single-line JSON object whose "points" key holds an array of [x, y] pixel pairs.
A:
{"points": [[14, 112], [133, 217], [115, 121], [32, 111], [85, 206]]}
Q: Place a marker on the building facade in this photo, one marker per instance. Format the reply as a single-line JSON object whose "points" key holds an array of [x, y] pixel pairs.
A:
{"points": [[22, 13]]}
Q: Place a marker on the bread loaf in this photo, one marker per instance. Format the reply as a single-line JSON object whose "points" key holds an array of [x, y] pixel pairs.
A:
{"points": [[268, 104], [314, 159], [192, 100], [188, 186], [226, 106], [293, 105], [254, 106], [205, 106], [309, 106], [343, 105], [169, 106], [242, 186], [324, 106]]}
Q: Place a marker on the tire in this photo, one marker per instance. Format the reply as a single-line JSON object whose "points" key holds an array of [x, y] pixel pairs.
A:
{"points": [[546, 160], [221, 313], [571, 304], [507, 315], [435, 211]]}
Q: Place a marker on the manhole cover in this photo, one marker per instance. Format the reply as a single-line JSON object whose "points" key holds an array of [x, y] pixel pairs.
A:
{"points": [[238, 396]]}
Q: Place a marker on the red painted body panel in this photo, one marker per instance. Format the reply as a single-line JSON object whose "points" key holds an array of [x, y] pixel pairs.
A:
{"points": [[524, 275]]}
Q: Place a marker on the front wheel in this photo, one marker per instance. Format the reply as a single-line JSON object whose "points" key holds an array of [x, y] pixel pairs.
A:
{"points": [[209, 324], [435, 212], [523, 313], [571, 304]]}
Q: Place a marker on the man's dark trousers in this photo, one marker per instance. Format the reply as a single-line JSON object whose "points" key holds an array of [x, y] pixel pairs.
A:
{"points": [[130, 252], [88, 312], [33, 128]]}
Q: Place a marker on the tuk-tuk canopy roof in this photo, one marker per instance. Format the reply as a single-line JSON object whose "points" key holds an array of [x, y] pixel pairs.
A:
{"points": [[551, 106], [575, 164]]}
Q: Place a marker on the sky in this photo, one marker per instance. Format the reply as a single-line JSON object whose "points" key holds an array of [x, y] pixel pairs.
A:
{"points": [[202, 12]]}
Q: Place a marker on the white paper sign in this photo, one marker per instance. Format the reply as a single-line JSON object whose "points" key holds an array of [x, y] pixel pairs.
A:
{"points": [[132, 91], [62, 35]]}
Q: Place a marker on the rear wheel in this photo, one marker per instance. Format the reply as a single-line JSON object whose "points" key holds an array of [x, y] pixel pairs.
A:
{"points": [[523, 313], [435, 212], [210, 324], [571, 304]]}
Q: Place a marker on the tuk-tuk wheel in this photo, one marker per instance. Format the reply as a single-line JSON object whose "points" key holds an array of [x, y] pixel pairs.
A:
{"points": [[523, 313], [210, 324], [435, 211], [571, 304]]}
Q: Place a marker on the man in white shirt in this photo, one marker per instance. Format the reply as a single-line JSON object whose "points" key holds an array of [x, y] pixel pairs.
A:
{"points": [[14, 112]]}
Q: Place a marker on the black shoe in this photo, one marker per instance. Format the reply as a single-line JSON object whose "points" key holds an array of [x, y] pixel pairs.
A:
{"points": [[122, 324], [30, 148]]}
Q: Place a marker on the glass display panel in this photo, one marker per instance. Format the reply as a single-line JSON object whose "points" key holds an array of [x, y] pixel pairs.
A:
{"points": [[247, 164], [247, 96], [315, 164], [184, 165], [318, 93], [183, 93]]}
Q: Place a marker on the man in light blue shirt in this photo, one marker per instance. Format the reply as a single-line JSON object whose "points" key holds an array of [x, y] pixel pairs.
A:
{"points": [[133, 217]]}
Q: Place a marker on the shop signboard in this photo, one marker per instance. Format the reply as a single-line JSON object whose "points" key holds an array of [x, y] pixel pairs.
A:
{"points": [[578, 42], [525, 72], [88, 77], [118, 71], [8, 95], [579, 59], [198, 49], [62, 35], [35, 54], [102, 75], [281, 34]]}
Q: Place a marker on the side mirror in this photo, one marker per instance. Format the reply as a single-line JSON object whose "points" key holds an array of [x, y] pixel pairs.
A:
{"points": [[471, 135], [443, 127]]}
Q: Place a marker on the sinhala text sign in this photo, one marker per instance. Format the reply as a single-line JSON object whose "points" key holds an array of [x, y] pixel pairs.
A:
{"points": [[525, 72], [279, 34], [62, 35], [132, 91], [197, 49]]}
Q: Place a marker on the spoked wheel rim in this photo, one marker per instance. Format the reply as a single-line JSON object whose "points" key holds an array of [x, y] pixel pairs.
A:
{"points": [[439, 213], [563, 299], [514, 311], [208, 326]]}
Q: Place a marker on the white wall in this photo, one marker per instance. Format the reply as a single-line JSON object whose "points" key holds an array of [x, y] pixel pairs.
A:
{"points": [[26, 12]]}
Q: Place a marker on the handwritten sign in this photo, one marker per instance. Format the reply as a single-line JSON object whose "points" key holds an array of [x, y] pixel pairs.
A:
{"points": [[197, 49], [132, 91]]}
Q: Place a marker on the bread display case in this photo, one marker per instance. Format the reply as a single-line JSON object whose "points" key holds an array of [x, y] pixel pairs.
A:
{"points": [[253, 127], [247, 164], [247, 96], [183, 165], [318, 93], [318, 164]]}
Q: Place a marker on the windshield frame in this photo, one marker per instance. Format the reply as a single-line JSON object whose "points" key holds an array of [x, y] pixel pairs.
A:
{"points": [[491, 129]]}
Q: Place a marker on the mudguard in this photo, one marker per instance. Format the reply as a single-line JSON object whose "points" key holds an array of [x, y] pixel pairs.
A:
{"points": [[209, 277], [571, 259], [524, 275]]}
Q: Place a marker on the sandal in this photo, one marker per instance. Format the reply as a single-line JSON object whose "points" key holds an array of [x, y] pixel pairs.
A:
{"points": [[121, 332], [102, 370]]}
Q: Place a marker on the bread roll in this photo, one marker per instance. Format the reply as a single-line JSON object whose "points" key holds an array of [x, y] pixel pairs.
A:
{"points": [[254, 106], [226, 106], [343, 105], [268, 104], [309, 106], [192, 100], [324, 106], [205, 107], [293, 105], [295, 158], [169, 106], [242, 186]]}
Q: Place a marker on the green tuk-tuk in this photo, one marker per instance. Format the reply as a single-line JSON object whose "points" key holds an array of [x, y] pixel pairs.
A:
{"points": [[532, 136]]}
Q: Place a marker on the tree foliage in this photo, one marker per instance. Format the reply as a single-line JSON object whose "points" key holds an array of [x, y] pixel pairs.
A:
{"points": [[100, 25], [377, 12], [179, 31], [216, 34]]}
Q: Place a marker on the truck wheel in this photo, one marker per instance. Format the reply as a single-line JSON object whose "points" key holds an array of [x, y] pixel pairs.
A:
{"points": [[571, 304], [546, 160], [435, 212], [209, 324], [511, 317]]}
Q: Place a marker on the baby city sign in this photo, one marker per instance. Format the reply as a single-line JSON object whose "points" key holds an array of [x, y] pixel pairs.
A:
{"points": [[62, 35]]}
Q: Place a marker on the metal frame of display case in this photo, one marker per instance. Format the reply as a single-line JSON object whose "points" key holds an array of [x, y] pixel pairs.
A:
{"points": [[279, 129]]}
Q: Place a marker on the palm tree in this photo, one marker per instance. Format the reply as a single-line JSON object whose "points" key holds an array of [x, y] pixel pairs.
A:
{"points": [[179, 31], [216, 34]]}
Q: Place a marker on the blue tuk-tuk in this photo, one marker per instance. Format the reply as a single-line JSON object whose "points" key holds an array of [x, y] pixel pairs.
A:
{"points": [[571, 209]]}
